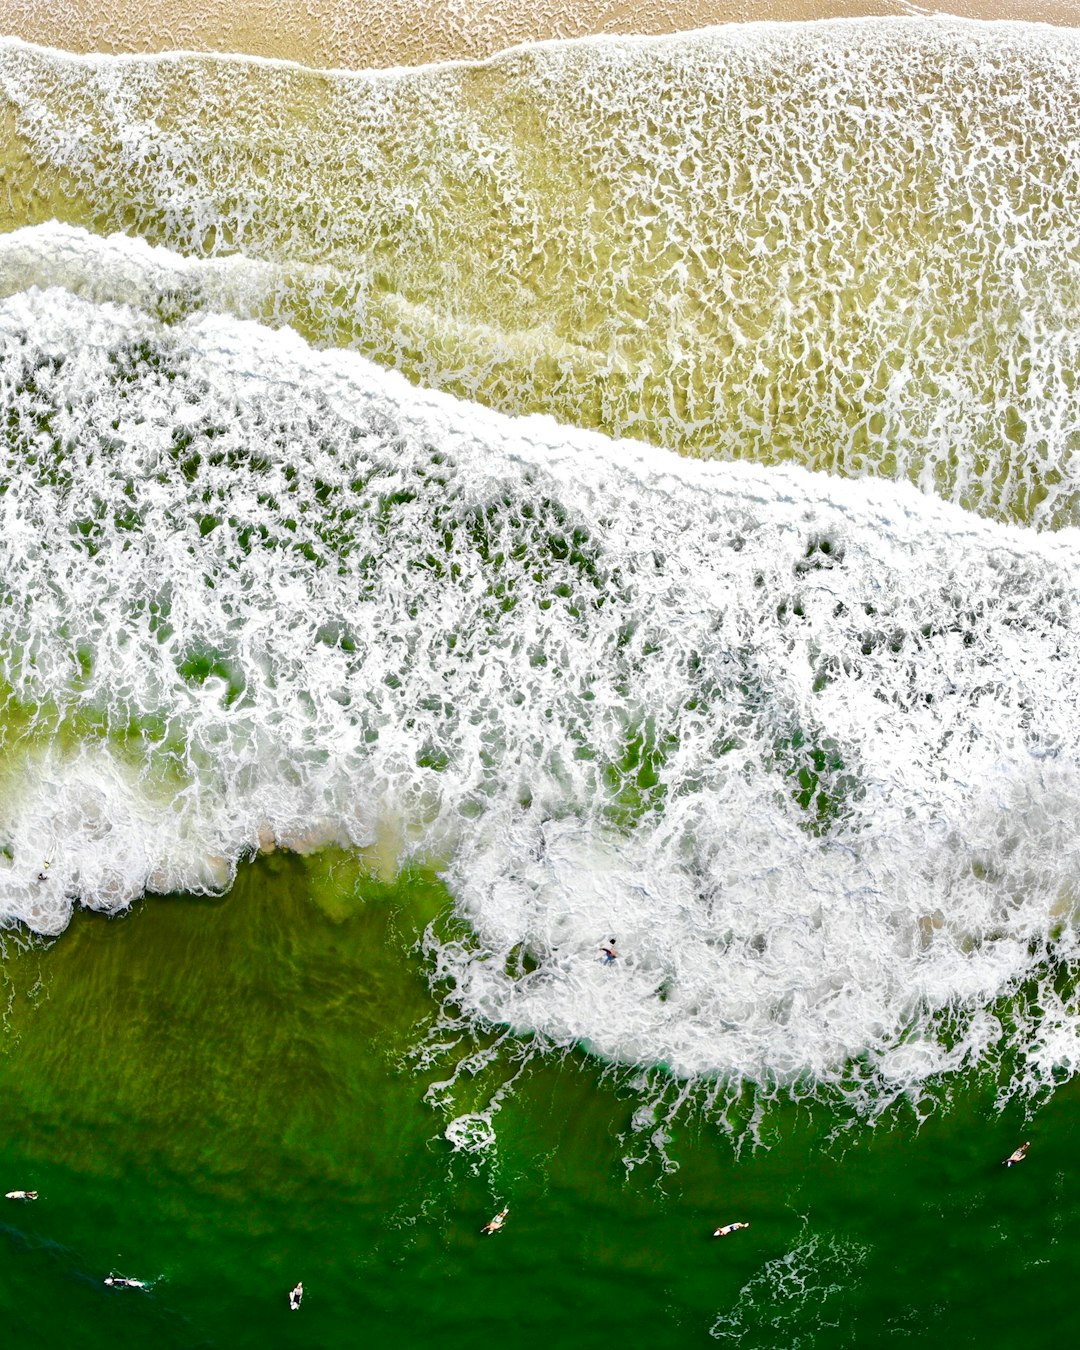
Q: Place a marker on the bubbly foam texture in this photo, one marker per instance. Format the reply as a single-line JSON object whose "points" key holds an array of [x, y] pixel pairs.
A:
{"points": [[805, 748], [131, 272], [807, 1285], [359, 33], [853, 246]]}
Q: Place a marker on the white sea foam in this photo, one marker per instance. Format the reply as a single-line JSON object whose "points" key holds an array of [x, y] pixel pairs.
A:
{"points": [[794, 1296], [805, 747], [854, 246], [132, 272]]}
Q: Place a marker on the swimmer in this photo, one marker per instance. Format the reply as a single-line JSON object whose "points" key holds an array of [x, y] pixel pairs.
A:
{"points": [[20, 1195], [729, 1228], [122, 1282], [609, 951], [295, 1295], [1019, 1154], [497, 1222]]}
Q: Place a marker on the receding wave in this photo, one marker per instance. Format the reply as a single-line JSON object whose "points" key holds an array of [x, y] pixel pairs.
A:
{"points": [[804, 748], [852, 246]]}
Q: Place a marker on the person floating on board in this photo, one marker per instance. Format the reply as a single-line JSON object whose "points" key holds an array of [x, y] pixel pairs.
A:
{"points": [[493, 1225], [122, 1282], [1019, 1154], [729, 1228], [20, 1195], [296, 1293], [609, 951]]}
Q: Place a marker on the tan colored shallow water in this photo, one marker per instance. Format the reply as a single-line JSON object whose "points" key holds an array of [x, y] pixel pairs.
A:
{"points": [[366, 33], [851, 246]]}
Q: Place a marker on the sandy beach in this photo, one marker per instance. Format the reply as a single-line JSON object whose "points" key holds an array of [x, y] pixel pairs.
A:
{"points": [[359, 33]]}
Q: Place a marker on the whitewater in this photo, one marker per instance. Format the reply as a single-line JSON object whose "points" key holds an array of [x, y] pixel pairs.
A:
{"points": [[802, 743], [851, 245]]}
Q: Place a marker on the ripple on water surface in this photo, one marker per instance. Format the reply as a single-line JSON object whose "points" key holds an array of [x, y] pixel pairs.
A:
{"points": [[850, 245]]}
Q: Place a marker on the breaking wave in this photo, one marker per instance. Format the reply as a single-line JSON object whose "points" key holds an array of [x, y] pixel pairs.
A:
{"points": [[804, 747]]}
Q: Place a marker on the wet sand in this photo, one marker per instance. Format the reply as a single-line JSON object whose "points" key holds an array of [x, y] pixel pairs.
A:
{"points": [[365, 33]]}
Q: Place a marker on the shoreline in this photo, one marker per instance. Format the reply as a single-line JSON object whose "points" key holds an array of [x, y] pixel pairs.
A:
{"points": [[167, 54], [360, 34], [407, 68]]}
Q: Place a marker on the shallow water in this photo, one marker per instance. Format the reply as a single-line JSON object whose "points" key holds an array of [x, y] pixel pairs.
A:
{"points": [[850, 245]]}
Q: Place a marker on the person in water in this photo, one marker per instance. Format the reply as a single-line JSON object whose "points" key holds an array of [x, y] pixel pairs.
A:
{"points": [[122, 1282], [493, 1225], [296, 1293], [729, 1228], [1018, 1155], [21, 1195], [609, 951]]}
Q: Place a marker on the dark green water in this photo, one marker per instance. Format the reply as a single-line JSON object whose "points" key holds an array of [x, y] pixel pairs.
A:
{"points": [[214, 1097]]}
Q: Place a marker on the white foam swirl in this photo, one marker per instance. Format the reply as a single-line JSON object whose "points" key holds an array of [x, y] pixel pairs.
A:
{"points": [[806, 748]]}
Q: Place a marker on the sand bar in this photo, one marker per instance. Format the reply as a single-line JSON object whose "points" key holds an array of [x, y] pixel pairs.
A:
{"points": [[367, 33]]}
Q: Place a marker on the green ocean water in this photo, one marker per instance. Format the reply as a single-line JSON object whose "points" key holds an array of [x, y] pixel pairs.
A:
{"points": [[211, 1096]]}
